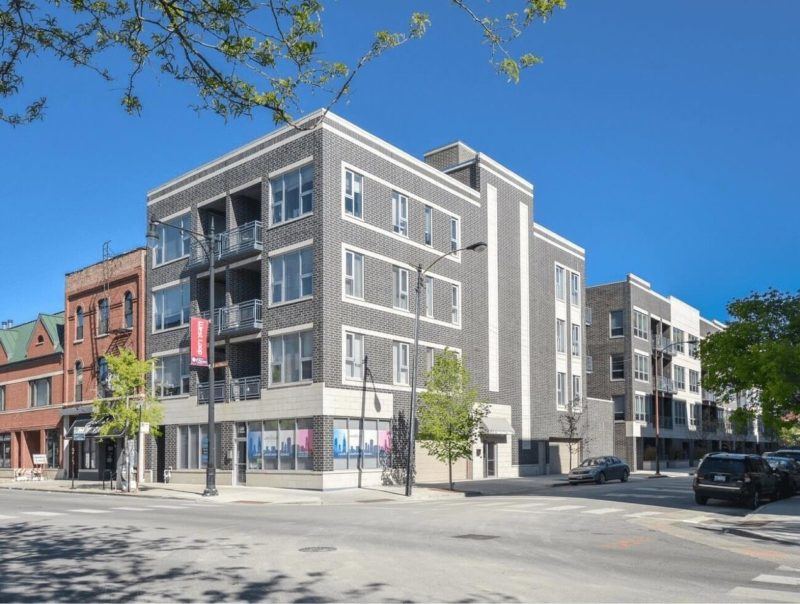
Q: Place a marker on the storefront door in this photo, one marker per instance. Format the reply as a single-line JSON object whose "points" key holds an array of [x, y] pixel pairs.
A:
{"points": [[489, 459], [241, 454]]}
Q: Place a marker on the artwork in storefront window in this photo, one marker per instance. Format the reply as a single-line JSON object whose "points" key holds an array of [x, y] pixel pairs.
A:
{"points": [[270, 445], [254, 446], [305, 445]]}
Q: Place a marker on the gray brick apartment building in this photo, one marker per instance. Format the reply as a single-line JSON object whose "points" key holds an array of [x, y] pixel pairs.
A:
{"points": [[641, 341], [322, 227]]}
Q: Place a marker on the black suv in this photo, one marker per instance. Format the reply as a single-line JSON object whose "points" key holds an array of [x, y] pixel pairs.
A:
{"points": [[735, 476], [790, 453]]}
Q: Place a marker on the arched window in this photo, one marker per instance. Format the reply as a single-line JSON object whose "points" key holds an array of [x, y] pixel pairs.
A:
{"points": [[128, 308], [78, 381], [102, 320], [79, 323], [40, 340], [103, 385]]}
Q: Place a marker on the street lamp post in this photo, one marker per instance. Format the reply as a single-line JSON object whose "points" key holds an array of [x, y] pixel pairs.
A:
{"points": [[475, 247], [208, 245]]}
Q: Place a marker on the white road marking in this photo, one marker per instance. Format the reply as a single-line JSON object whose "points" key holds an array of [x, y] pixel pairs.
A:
{"points": [[696, 519], [619, 495], [88, 511], [168, 507], [564, 508], [601, 511], [525, 506], [643, 514], [777, 579], [634, 495], [679, 491], [752, 594], [44, 514], [788, 569], [2, 517], [127, 509]]}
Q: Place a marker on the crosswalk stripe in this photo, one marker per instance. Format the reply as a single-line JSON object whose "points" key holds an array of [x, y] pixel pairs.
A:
{"points": [[3, 517], [45, 514], [652, 490], [168, 507], [643, 514], [127, 509], [601, 511], [777, 579], [560, 508], [788, 569], [753, 594], [88, 511], [696, 519]]}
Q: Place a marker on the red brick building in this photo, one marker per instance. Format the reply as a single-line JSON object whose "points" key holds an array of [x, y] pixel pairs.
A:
{"points": [[31, 393], [104, 313]]}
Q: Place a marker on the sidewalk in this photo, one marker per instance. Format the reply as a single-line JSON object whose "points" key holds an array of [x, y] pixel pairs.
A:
{"points": [[776, 522], [245, 495]]}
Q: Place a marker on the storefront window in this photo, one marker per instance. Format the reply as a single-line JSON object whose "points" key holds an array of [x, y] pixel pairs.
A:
{"points": [[271, 445], [88, 454], [52, 442], [287, 445], [193, 447], [5, 450], [254, 450], [305, 444], [347, 438]]}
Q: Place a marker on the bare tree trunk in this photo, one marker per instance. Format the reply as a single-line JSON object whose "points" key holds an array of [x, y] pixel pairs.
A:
{"points": [[450, 469]]}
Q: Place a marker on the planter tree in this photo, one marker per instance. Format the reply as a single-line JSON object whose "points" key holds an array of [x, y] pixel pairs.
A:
{"points": [[574, 422], [131, 404], [450, 413]]}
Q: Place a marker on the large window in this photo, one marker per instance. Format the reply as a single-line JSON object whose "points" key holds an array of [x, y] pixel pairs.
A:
{"points": [[680, 378], [575, 289], [428, 236], [78, 381], [2, 398], [171, 242], [694, 416], [127, 310], [455, 234], [640, 408], [678, 338], [79, 323], [561, 386], [400, 363], [5, 450], [40, 392], [619, 406], [400, 214], [640, 325], [679, 412], [694, 381], [561, 284], [193, 447], [561, 336], [399, 288], [615, 325], [576, 340], [291, 357], [171, 375], [52, 448], [354, 356], [577, 390], [693, 346], [102, 319], [87, 454], [171, 307], [353, 275], [292, 275], [617, 367], [455, 304], [103, 382], [353, 194], [286, 444], [429, 297], [347, 448], [641, 367], [292, 194]]}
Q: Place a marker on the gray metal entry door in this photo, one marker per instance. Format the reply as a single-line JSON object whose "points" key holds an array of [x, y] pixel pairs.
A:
{"points": [[489, 459]]}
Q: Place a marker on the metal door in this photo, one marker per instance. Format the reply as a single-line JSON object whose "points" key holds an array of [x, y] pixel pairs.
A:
{"points": [[489, 459]]}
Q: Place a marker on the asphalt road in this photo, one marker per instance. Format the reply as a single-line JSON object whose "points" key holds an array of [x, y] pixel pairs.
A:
{"points": [[644, 541]]}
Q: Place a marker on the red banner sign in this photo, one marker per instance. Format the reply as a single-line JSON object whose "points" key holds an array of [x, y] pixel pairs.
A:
{"points": [[199, 342]]}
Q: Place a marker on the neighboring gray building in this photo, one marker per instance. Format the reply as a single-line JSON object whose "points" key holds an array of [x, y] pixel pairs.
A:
{"points": [[642, 344], [322, 228]]}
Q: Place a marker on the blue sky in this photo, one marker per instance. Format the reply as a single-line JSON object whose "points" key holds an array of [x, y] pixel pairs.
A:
{"points": [[661, 136]]}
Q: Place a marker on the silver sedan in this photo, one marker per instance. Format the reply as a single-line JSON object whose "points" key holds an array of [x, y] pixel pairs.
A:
{"points": [[600, 469]]}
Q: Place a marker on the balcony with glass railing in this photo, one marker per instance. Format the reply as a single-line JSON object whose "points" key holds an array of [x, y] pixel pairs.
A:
{"points": [[666, 385], [235, 244], [663, 345], [237, 319]]}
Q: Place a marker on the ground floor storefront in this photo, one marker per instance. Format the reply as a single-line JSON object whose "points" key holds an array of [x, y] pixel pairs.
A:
{"points": [[31, 444]]}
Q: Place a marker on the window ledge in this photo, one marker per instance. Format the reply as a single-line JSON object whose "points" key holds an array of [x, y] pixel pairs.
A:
{"points": [[288, 302], [292, 384], [168, 262], [275, 225], [173, 397], [78, 341], [155, 331]]}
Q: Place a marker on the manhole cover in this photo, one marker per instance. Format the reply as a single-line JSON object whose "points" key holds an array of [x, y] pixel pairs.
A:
{"points": [[476, 537], [317, 548]]}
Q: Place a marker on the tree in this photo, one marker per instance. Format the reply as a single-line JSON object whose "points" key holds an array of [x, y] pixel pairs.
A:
{"points": [[789, 434], [239, 55], [450, 413], [741, 419], [131, 403], [574, 422], [759, 351]]}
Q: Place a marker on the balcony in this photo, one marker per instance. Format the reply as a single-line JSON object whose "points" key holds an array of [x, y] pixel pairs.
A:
{"points": [[709, 396], [219, 392], [236, 244], [663, 345], [237, 389], [665, 422], [238, 319], [666, 385]]}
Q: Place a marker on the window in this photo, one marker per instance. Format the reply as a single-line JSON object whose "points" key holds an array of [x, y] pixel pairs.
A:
{"points": [[693, 346], [400, 214], [641, 367], [619, 407], [103, 389], [193, 447], [102, 319], [560, 283], [353, 275], [694, 381], [694, 416], [640, 408], [400, 362], [347, 448], [78, 381], [617, 367], [171, 375], [354, 356], [616, 329], [2, 398], [292, 275], [292, 194], [455, 235], [399, 288], [87, 453], [679, 412], [52, 448], [640, 321], [353, 194], [576, 340], [291, 357], [79, 323], [678, 338], [172, 243], [429, 297], [5, 450], [561, 379], [575, 289], [680, 378], [561, 336], [171, 307], [430, 358], [40, 392], [127, 304], [455, 304], [577, 391], [428, 225]]}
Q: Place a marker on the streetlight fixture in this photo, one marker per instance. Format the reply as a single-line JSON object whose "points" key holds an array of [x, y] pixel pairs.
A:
{"points": [[478, 246], [208, 243]]}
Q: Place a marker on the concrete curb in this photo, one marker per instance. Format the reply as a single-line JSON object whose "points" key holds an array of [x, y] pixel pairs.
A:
{"points": [[95, 492]]}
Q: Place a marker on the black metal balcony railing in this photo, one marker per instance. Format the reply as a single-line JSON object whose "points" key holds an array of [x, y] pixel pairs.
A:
{"points": [[237, 389], [233, 244], [665, 384], [237, 319], [219, 392]]}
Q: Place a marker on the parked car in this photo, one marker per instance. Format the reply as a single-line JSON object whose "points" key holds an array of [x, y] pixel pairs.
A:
{"points": [[737, 477], [791, 453], [600, 469], [789, 472]]}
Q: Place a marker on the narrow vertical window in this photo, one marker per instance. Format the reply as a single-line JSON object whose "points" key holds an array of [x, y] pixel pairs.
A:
{"points": [[429, 297], [561, 379], [428, 225], [400, 288], [560, 283], [576, 340], [400, 214], [400, 353], [79, 323], [78, 381], [102, 320], [455, 235], [128, 311], [354, 275], [577, 391], [455, 304], [353, 188], [354, 356], [615, 325], [561, 336], [575, 289]]}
